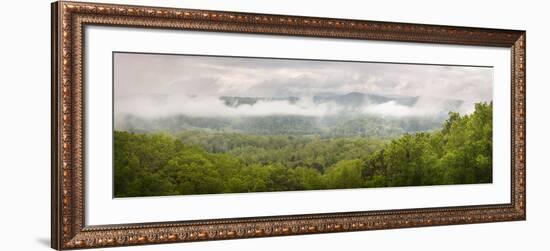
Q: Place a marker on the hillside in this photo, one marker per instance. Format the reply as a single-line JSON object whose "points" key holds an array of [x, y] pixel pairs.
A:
{"points": [[348, 114]]}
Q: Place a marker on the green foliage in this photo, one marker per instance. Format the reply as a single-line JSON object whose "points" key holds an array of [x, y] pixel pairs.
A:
{"points": [[206, 162], [344, 174], [460, 153]]}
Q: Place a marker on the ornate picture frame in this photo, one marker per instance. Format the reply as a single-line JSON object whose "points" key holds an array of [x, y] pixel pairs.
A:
{"points": [[69, 230]]}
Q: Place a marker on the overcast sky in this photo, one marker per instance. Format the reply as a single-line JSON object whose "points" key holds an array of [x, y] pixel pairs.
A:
{"points": [[139, 75]]}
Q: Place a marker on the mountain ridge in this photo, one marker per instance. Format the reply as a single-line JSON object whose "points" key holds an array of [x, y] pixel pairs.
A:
{"points": [[353, 99]]}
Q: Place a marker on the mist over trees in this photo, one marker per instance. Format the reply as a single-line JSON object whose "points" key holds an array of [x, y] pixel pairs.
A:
{"points": [[328, 115], [288, 153]]}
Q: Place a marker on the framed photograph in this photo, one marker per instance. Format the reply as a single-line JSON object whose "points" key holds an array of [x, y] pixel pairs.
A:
{"points": [[176, 125]]}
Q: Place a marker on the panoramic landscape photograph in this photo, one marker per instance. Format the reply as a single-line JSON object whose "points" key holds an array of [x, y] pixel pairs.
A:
{"points": [[192, 124]]}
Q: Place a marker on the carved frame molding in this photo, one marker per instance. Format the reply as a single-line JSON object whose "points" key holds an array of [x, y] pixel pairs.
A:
{"points": [[68, 225]]}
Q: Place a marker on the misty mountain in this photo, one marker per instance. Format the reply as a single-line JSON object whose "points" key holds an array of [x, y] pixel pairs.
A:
{"points": [[237, 101], [351, 114], [353, 99], [350, 100], [329, 126]]}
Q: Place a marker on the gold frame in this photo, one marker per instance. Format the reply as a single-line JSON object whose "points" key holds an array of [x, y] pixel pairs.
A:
{"points": [[68, 226]]}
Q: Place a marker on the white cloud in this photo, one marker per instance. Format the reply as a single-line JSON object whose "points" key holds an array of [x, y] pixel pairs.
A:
{"points": [[211, 106], [424, 106], [162, 85], [139, 74]]}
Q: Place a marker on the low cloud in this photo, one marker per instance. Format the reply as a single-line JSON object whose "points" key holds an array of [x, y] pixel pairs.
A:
{"points": [[424, 106], [212, 106]]}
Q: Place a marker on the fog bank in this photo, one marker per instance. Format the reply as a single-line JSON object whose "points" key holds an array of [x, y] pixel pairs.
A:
{"points": [[210, 106]]}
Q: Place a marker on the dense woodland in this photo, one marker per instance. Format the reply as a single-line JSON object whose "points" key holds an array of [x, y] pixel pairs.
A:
{"points": [[207, 162]]}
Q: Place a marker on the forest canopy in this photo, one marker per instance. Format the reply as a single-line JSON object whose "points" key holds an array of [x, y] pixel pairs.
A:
{"points": [[194, 161]]}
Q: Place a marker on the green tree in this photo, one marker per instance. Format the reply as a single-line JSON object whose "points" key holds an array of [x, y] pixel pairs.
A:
{"points": [[345, 174], [206, 162]]}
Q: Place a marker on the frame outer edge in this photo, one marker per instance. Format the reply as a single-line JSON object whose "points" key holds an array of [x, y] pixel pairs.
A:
{"points": [[523, 39], [56, 224], [519, 124]]}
